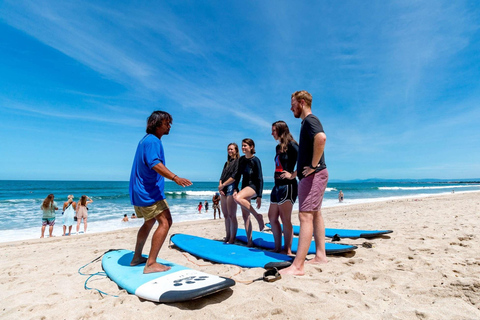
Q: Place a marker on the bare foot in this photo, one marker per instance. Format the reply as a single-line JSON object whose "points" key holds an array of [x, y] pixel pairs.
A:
{"points": [[292, 270], [317, 260], [136, 262], [261, 224], [288, 253], [156, 267], [250, 244]]}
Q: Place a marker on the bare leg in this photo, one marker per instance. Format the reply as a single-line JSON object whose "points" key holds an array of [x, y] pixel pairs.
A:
{"points": [[248, 226], [43, 232], [79, 220], [285, 210], [273, 215], [319, 236], [304, 241], [164, 220], [243, 199], [70, 230], [64, 230], [142, 236], [85, 225], [50, 231], [226, 214], [232, 212]]}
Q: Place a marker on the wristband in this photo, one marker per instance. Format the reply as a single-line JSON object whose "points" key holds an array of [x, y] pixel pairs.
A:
{"points": [[312, 167], [173, 179]]}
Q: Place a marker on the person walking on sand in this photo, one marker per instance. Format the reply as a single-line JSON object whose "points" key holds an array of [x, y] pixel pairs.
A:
{"points": [[284, 193], [250, 168], [225, 188], [215, 206], [82, 212], [48, 218], [147, 194], [313, 175], [69, 207]]}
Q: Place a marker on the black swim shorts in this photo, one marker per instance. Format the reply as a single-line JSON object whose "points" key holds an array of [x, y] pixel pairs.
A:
{"points": [[280, 194]]}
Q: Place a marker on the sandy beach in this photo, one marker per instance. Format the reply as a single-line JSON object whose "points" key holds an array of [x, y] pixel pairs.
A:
{"points": [[428, 268]]}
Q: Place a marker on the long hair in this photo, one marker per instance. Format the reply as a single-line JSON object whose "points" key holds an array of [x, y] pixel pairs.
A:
{"points": [[237, 153], [284, 135], [48, 202], [156, 120], [305, 95], [251, 143], [83, 200]]}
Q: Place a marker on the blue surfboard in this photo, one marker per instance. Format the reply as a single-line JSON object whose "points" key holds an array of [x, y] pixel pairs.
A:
{"points": [[177, 284], [346, 233], [221, 252], [265, 240]]}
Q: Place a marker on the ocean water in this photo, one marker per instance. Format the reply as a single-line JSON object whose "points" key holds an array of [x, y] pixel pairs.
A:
{"points": [[20, 201]]}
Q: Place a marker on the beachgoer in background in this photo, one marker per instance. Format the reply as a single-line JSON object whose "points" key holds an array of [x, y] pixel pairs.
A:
{"points": [[199, 207], [125, 218], [313, 175], [68, 213], [206, 206], [82, 212], [48, 207], [250, 168], [215, 206], [133, 216], [284, 193], [225, 187], [340, 196], [147, 194]]}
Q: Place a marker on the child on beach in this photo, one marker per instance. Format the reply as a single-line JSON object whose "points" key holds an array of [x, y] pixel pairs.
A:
{"points": [[199, 208], [125, 218]]}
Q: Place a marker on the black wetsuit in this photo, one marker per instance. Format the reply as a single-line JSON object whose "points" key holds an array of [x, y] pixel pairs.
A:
{"points": [[229, 171], [251, 170]]}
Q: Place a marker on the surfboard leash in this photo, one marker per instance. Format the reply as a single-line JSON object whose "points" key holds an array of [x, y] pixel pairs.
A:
{"points": [[91, 275]]}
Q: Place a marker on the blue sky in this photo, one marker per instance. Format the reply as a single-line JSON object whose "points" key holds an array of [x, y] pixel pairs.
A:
{"points": [[395, 84]]}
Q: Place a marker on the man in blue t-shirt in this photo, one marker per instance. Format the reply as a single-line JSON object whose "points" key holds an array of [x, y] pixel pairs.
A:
{"points": [[147, 182], [313, 175]]}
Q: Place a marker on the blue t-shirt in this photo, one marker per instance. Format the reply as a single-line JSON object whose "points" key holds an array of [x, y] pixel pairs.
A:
{"points": [[146, 185]]}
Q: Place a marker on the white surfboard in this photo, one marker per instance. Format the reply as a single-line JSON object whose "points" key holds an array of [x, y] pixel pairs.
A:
{"points": [[177, 284]]}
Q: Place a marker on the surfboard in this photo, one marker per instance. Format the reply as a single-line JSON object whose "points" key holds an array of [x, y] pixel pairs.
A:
{"points": [[346, 233], [175, 285], [221, 252], [265, 240]]}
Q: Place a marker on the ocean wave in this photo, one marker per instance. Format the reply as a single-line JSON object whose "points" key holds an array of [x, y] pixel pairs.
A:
{"points": [[429, 188]]}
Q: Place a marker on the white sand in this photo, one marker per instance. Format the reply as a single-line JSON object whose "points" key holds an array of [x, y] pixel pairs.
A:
{"points": [[429, 268]]}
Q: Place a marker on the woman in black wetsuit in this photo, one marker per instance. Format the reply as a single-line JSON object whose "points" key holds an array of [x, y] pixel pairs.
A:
{"points": [[284, 193], [225, 188], [250, 168]]}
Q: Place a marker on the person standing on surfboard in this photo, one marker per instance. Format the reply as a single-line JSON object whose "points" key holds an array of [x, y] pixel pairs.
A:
{"points": [[284, 193], [313, 175], [250, 173], [147, 195]]}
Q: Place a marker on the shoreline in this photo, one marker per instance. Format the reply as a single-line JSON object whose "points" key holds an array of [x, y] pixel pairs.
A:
{"points": [[116, 224], [428, 268]]}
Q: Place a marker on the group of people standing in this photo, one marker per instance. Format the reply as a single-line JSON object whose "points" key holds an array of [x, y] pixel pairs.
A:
{"points": [[73, 213], [304, 160]]}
